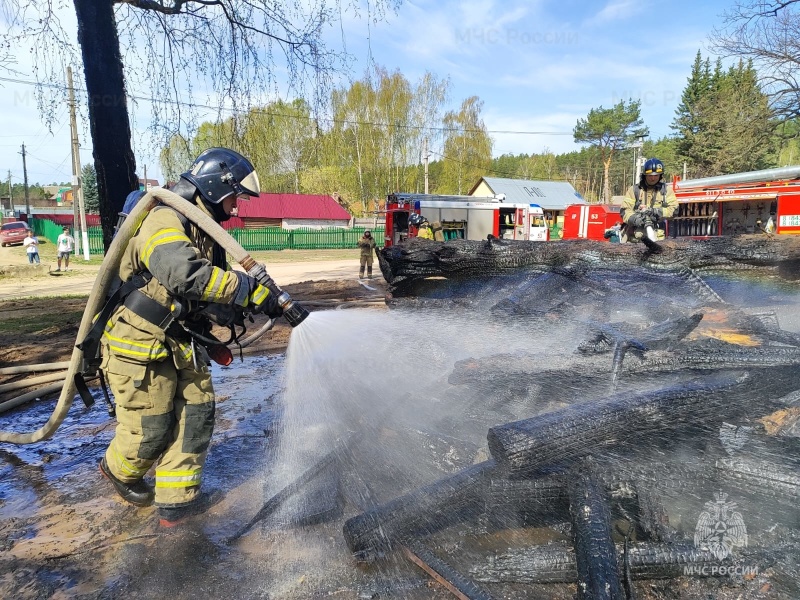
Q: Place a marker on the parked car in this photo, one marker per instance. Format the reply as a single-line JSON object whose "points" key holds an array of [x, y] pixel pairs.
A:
{"points": [[13, 233]]}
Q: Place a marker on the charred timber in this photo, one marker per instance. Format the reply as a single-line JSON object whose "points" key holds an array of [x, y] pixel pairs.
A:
{"points": [[556, 563], [462, 258], [428, 509], [563, 436], [595, 554]]}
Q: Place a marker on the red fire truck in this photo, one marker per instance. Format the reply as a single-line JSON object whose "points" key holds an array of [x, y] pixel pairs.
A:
{"points": [[589, 221], [465, 217], [766, 200]]}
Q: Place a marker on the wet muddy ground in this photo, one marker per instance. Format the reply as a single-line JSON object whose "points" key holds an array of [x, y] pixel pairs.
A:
{"points": [[64, 533]]}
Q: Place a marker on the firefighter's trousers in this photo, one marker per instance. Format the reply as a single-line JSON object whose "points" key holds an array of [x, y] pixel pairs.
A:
{"points": [[366, 261], [164, 414]]}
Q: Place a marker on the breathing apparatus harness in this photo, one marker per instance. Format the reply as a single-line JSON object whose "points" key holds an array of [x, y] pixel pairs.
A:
{"points": [[184, 320]]}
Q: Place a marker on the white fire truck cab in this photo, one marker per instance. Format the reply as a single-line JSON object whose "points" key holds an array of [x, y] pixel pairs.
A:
{"points": [[465, 217]]}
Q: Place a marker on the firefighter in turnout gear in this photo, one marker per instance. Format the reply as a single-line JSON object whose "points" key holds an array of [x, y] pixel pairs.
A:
{"points": [[424, 230], [367, 246], [152, 352], [647, 204]]}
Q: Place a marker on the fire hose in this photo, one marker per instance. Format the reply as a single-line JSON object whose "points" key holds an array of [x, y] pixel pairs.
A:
{"points": [[292, 311]]}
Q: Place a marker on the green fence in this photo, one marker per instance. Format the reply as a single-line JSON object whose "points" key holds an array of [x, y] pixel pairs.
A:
{"points": [[49, 230], [268, 238], [275, 238]]}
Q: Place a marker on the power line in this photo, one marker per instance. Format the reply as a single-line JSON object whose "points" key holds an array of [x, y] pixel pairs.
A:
{"points": [[264, 112]]}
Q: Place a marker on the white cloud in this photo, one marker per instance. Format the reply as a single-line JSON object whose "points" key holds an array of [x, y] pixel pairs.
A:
{"points": [[618, 10]]}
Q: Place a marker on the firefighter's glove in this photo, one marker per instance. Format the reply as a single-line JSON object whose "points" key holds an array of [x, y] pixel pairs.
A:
{"points": [[224, 314], [654, 214], [637, 219], [256, 298], [270, 306]]}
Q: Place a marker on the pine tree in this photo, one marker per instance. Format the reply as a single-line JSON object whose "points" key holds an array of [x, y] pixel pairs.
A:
{"points": [[91, 199]]}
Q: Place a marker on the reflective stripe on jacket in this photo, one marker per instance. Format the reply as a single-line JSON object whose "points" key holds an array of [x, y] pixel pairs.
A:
{"points": [[182, 269]]}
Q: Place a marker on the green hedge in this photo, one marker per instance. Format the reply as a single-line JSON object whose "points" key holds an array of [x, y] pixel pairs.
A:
{"points": [[268, 238]]}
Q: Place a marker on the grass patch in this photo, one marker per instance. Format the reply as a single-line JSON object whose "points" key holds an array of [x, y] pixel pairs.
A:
{"points": [[34, 323]]}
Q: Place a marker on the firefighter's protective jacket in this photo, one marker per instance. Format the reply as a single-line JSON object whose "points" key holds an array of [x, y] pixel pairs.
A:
{"points": [[649, 197], [181, 259], [366, 245], [425, 232]]}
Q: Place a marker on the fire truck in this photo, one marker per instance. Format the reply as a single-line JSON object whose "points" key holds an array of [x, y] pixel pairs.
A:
{"points": [[589, 221], [465, 217], [751, 202]]}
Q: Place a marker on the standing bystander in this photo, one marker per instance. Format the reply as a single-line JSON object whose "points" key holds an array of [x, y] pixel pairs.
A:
{"points": [[31, 243], [65, 246]]}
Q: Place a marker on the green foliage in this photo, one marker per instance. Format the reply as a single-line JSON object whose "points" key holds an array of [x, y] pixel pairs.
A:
{"points": [[91, 200], [467, 148], [723, 123], [609, 130]]}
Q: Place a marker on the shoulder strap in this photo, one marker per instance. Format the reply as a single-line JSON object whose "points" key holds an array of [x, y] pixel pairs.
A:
{"points": [[91, 343], [637, 201]]}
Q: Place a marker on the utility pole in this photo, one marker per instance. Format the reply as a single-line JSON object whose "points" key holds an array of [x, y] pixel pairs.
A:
{"points": [[10, 197], [25, 180], [146, 189], [425, 160], [77, 186]]}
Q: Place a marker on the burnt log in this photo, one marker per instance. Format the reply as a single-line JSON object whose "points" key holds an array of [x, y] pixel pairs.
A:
{"points": [[556, 563], [563, 436], [457, 584], [527, 502], [428, 509], [463, 258], [595, 554]]}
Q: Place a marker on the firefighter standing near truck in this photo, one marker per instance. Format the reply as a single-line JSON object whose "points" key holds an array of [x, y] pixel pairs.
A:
{"points": [[425, 230], [647, 203], [152, 347], [367, 246]]}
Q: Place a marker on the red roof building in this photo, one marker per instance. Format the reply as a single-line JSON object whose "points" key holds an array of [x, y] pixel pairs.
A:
{"points": [[289, 211]]}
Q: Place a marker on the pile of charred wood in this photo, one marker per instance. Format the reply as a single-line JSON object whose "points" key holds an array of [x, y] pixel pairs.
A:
{"points": [[617, 474]]}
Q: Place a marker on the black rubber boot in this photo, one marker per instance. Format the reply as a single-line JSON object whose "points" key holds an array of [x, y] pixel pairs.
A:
{"points": [[137, 492], [171, 516]]}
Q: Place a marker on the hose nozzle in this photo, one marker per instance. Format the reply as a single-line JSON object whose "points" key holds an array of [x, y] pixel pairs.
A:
{"points": [[292, 311]]}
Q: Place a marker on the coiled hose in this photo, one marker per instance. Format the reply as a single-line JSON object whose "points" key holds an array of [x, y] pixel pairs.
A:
{"points": [[105, 277]]}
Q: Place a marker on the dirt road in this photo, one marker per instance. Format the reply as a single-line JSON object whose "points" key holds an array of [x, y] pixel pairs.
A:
{"points": [[43, 280]]}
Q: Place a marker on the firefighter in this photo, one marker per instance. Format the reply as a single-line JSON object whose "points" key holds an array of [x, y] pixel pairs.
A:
{"points": [[367, 245], [647, 203], [152, 355], [424, 229]]}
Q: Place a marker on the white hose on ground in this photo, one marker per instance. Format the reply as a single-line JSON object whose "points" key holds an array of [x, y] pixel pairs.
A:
{"points": [[14, 402], [31, 381], [56, 366], [105, 277]]}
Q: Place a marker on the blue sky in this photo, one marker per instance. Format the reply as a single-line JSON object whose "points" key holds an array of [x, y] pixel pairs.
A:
{"points": [[537, 65]]}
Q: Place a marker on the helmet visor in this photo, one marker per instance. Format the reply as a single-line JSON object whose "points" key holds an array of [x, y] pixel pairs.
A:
{"points": [[250, 184]]}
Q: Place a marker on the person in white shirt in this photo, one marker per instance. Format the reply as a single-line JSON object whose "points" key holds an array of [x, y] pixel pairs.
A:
{"points": [[31, 244], [65, 246]]}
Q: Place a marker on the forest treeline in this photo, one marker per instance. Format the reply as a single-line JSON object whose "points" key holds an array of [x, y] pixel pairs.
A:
{"points": [[373, 141]]}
